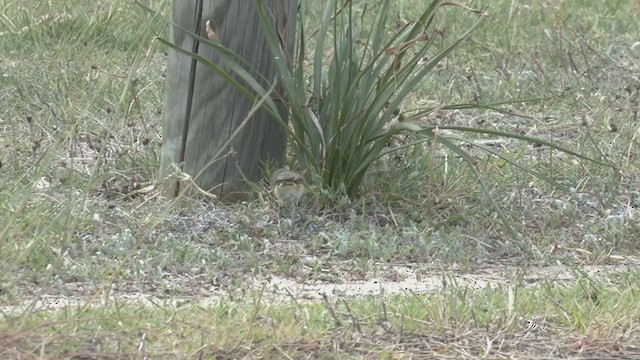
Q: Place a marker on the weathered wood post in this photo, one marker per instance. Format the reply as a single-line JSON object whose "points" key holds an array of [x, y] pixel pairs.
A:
{"points": [[217, 108]]}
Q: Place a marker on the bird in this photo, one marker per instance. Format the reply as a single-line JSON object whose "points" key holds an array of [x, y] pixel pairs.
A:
{"points": [[287, 186]]}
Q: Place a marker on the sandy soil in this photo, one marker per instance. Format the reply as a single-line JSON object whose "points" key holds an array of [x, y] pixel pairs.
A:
{"points": [[391, 280]]}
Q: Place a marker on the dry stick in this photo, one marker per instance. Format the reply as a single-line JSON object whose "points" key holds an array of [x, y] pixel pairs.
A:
{"points": [[383, 322], [331, 310], [282, 352], [401, 332], [190, 90], [353, 317]]}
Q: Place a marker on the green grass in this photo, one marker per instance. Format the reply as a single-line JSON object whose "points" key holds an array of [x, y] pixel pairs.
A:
{"points": [[496, 321], [81, 107]]}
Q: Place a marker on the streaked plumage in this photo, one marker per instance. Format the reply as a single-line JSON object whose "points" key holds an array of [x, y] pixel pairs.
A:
{"points": [[287, 186]]}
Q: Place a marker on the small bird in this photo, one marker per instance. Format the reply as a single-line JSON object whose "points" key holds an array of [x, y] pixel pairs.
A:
{"points": [[287, 186]]}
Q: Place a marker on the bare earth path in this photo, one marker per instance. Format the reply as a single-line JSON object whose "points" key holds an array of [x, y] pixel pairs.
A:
{"points": [[391, 280]]}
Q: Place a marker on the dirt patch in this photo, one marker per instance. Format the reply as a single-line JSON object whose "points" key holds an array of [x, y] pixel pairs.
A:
{"points": [[391, 280]]}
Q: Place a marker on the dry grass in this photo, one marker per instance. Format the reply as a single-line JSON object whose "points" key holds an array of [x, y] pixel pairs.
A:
{"points": [[80, 122]]}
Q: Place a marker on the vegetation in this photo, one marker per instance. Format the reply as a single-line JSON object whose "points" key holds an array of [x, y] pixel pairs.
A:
{"points": [[80, 222]]}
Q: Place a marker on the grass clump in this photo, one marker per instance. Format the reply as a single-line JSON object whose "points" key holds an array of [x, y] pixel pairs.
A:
{"points": [[347, 110], [80, 130]]}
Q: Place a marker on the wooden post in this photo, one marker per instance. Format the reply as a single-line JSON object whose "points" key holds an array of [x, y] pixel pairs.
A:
{"points": [[218, 108]]}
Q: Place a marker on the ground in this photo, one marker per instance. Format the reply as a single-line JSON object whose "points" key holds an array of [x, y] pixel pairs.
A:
{"points": [[535, 255]]}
